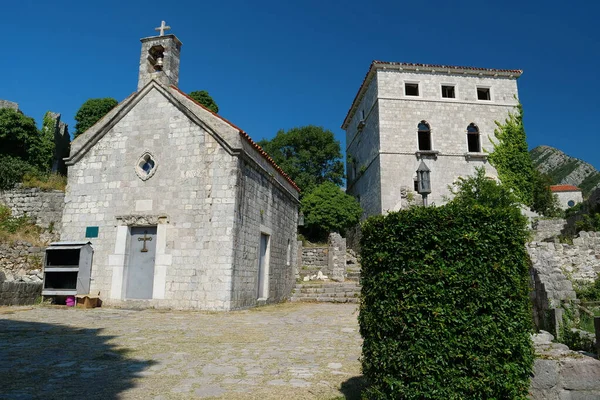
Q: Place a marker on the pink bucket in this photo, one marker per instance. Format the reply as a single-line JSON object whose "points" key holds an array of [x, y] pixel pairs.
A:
{"points": [[70, 301]]}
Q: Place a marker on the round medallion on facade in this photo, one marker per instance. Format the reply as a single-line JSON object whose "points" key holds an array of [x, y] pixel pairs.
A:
{"points": [[146, 166]]}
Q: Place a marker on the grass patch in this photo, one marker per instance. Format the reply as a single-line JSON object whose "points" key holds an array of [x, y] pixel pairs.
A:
{"points": [[45, 182], [13, 229]]}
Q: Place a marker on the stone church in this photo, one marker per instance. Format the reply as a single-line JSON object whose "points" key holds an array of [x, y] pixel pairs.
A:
{"points": [[405, 114], [183, 209]]}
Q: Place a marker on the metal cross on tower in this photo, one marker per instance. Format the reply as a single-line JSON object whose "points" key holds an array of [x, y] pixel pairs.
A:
{"points": [[162, 28]]}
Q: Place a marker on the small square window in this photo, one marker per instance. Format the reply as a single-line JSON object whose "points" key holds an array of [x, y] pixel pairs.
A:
{"points": [[448, 92], [483, 94], [411, 89]]}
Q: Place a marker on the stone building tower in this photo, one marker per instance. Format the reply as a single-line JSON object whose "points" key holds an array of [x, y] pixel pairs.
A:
{"points": [[407, 113], [160, 58]]}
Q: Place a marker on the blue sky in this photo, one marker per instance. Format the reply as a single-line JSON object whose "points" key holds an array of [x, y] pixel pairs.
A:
{"points": [[274, 65]]}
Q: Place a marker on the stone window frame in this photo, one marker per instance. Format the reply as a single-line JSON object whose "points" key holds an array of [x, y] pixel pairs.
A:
{"points": [[489, 88], [138, 169], [467, 133], [412, 82], [454, 85], [431, 147]]}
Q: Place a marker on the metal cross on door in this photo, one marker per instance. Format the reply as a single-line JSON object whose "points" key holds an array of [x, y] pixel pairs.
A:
{"points": [[144, 239], [140, 270]]}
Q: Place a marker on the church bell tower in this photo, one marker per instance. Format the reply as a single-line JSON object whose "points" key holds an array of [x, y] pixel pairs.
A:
{"points": [[160, 58]]}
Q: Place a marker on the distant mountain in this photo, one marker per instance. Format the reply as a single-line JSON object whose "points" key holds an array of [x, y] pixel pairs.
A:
{"points": [[564, 169]]}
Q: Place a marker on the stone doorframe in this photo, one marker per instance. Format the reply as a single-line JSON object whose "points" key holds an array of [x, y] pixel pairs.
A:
{"points": [[118, 259]]}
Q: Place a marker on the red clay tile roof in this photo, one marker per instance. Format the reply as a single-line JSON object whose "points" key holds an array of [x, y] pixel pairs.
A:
{"points": [[448, 68], [564, 188], [248, 138]]}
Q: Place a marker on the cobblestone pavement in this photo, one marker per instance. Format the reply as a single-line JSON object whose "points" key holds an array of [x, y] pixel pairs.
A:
{"points": [[287, 351]]}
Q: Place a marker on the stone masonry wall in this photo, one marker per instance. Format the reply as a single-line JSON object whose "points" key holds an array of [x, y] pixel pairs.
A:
{"points": [[43, 207], [330, 260], [546, 229], [363, 166], [263, 207], [337, 257], [19, 293], [551, 288], [579, 261], [20, 259], [315, 256], [314, 259]]}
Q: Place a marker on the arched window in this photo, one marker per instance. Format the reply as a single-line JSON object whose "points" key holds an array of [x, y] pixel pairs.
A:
{"points": [[473, 142], [424, 133]]}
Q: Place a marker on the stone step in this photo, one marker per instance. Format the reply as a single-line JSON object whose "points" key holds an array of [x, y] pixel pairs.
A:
{"points": [[326, 299], [326, 285], [330, 292]]}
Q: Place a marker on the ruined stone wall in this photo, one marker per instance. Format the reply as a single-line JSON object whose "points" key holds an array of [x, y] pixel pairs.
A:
{"points": [[315, 256], [551, 288], [43, 207], [330, 260], [62, 139], [579, 261], [9, 104], [20, 259], [546, 229], [560, 373], [19, 293], [337, 257]]}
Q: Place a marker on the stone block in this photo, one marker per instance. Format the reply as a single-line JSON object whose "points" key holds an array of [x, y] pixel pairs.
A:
{"points": [[545, 374], [580, 374]]}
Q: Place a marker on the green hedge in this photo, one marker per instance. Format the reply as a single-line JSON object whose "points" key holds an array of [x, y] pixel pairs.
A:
{"points": [[445, 310]]}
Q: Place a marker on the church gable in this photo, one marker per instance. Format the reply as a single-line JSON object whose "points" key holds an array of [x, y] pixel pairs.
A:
{"points": [[156, 132], [222, 132]]}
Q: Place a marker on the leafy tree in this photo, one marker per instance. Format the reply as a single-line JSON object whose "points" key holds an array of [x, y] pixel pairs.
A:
{"points": [[91, 112], [202, 97], [41, 150], [544, 201], [17, 133], [328, 209], [310, 155], [511, 157]]}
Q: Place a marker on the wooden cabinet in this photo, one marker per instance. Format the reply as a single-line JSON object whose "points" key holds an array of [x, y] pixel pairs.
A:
{"points": [[67, 269]]}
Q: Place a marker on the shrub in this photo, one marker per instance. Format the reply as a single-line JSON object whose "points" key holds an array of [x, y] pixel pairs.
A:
{"points": [[588, 291], [12, 170], [51, 181], [445, 311]]}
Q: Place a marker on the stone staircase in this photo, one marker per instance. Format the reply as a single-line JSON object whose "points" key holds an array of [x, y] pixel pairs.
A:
{"points": [[352, 266], [331, 292]]}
